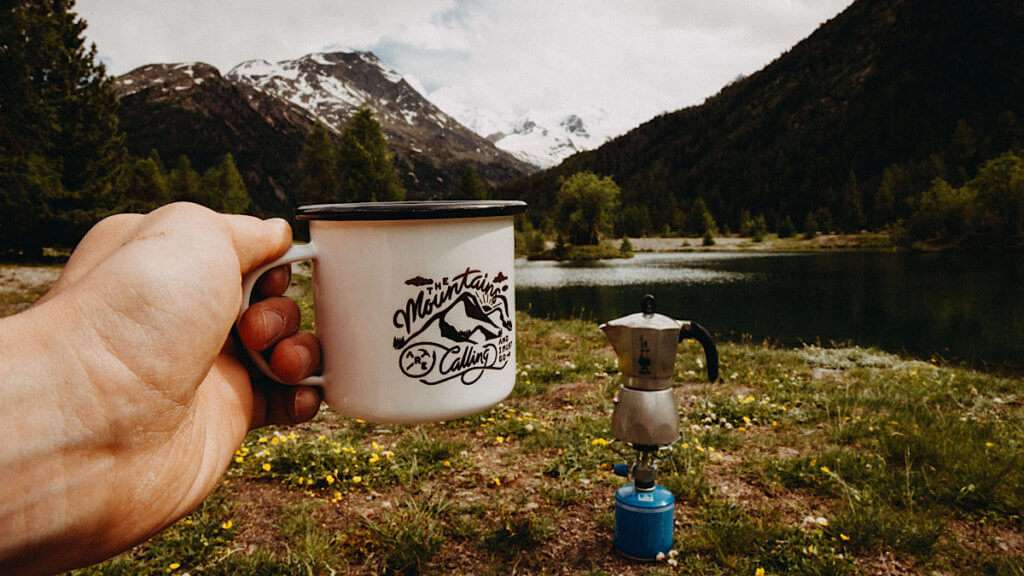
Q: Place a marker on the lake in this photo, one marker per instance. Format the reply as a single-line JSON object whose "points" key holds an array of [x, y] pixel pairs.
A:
{"points": [[966, 308]]}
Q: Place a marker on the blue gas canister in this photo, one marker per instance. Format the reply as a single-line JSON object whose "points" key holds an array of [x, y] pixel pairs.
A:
{"points": [[643, 521]]}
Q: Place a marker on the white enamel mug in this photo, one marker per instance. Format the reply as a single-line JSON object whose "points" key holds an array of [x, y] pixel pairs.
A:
{"points": [[415, 306]]}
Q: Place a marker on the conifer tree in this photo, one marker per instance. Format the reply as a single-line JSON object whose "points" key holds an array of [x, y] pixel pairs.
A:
{"points": [[852, 210], [224, 189], [319, 180], [884, 206], [367, 170], [185, 184], [701, 221], [142, 186], [471, 185], [60, 147]]}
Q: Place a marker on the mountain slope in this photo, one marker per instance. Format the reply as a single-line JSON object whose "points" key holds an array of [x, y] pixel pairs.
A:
{"points": [[427, 142], [931, 85], [191, 109], [262, 114]]}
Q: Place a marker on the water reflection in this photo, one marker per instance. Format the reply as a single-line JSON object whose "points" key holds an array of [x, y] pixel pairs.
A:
{"points": [[696, 268], [956, 306]]}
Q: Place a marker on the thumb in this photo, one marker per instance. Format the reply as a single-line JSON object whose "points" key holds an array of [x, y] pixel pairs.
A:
{"points": [[257, 241]]}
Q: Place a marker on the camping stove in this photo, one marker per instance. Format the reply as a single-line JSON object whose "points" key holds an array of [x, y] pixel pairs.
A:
{"points": [[645, 417]]}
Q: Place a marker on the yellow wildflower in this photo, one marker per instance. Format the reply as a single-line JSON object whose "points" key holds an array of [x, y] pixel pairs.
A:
{"points": [[686, 445], [496, 481], [746, 399], [275, 440], [700, 449], [330, 479], [293, 436], [336, 496], [446, 463], [357, 479], [374, 445], [173, 566], [227, 524], [989, 445], [844, 537], [599, 442], [741, 429], [360, 421], [266, 466], [262, 440], [374, 458], [239, 459], [746, 420], [825, 469], [499, 440], [759, 572], [388, 454]]}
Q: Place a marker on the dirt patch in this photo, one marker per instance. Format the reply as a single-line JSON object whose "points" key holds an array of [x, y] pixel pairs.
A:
{"points": [[21, 286]]}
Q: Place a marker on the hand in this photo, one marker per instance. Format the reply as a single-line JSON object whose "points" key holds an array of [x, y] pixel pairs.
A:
{"points": [[124, 396]]}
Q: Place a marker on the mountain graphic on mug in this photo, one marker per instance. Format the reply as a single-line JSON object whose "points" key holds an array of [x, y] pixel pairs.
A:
{"points": [[464, 320]]}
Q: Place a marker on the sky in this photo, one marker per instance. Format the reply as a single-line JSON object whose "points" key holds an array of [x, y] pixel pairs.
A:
{"points": [[623, 60]]}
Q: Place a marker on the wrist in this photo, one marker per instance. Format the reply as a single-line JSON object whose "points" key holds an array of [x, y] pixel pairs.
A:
{"points": [[53, 454]]}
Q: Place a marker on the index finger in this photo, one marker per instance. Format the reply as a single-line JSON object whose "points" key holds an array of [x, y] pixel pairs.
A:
{"points": [[274, 282]]}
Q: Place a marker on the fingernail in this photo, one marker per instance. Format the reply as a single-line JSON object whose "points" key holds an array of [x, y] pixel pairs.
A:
{"points": [[303, 399], [305, 360], [273, 324]]}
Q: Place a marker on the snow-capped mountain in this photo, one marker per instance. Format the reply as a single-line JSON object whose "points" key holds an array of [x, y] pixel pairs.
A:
{"points": [[540, 138], [546, 145], [331, 86], [262, 113]]}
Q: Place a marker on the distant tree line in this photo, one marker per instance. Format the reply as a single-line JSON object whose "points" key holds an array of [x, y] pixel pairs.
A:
{"points": [[845, 131], [959, 198]]}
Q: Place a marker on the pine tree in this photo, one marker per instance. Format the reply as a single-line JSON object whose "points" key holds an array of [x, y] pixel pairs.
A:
{"points": [[852, 213], [471, 185], [786, 228], [884, 206], [367, 170], [319, 180], [60, 147], [810, 226], [701, 221], [142, 186], [185, 183], [224, 189]]}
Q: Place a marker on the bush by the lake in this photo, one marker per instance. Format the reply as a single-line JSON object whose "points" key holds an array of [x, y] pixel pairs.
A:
{"points": [[987, 210]]}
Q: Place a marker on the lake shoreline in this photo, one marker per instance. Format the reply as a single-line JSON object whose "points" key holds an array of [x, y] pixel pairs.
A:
{"points": [[865, 242]]}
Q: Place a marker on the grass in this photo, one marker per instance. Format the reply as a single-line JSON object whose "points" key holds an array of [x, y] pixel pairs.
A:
{"points": [[806, 461]]}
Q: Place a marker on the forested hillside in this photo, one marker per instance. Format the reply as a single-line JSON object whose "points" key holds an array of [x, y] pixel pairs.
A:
{"points": [[852, 125]]}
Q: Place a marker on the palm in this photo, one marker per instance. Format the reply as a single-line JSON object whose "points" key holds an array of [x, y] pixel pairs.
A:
{"points": [[175, 399]]}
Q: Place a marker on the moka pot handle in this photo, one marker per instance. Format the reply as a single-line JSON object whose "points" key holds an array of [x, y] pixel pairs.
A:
{"points": [[700, 334]]}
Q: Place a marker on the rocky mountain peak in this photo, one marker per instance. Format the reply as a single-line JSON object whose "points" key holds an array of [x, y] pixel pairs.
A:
{"points": [[262, 112], [174, 77], [573, 124]]}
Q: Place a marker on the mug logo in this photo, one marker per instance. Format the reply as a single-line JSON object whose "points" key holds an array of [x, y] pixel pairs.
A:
{"points": [[455, 327]]}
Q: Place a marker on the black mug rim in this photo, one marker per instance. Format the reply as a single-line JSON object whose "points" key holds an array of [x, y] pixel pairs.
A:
{"points": [[410, 210]]}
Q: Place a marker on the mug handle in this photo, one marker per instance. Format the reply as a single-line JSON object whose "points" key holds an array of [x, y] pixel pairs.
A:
{"points": [[296, 253]]}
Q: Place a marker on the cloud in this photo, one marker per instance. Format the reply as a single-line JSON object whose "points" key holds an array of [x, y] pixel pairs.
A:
{"points": [[225, 32], [627, 60]]}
